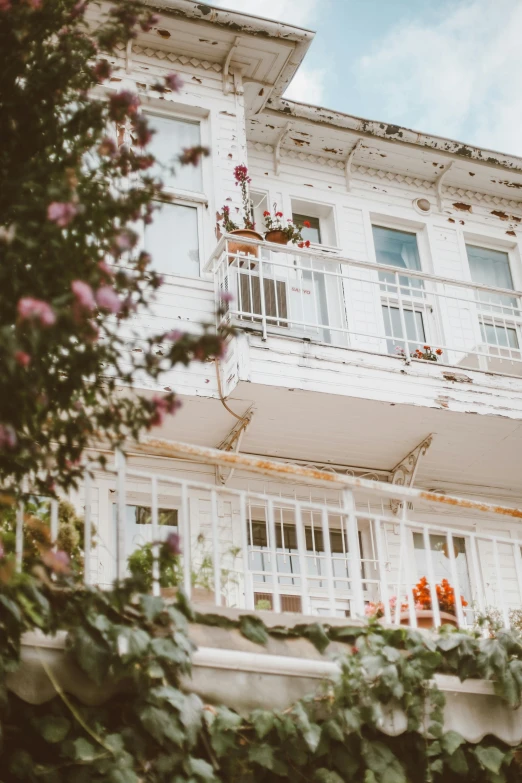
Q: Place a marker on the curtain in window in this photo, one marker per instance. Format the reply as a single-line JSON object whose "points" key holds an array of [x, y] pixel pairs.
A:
{"points": [[489, 267]]}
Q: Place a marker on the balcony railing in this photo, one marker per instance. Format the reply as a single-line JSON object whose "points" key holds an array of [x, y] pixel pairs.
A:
{"points": [[320, 296], [291, 538]]}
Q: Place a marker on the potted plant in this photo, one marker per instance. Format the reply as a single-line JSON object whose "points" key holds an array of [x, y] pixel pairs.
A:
{"points": [[276, 231], [248, 230], [426, 353], [423, 607]]}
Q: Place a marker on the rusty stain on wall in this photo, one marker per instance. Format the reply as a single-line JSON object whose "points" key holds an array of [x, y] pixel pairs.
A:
{"points": [[462, 206]]}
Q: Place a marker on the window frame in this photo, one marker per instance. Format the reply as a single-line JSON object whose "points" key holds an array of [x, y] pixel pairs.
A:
{"points": [[181, 202], [485, 318]]}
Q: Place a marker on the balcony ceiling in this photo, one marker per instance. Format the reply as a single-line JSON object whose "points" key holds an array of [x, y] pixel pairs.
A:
{"points": [[470, 454]]}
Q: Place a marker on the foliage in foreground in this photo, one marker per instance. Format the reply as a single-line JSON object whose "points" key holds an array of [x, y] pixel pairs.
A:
{"points": [[136, 648], [77, 185]]}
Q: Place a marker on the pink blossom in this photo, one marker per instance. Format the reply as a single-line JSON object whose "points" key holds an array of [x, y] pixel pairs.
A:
{"points": [[108, 299], [125, 240], [174, 82], [174, 335], [226, 296], [61, 213], [5, 5], [172, 544], [22, 358], [84, 295], [57, 561], [2, 550], [35, 4], [162, 406], [106, 269], [123, 104], [36, 309], [8, 439]]}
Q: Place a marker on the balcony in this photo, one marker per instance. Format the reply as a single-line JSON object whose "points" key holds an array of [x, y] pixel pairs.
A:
{"points": [[318, 296], [288, 538]]}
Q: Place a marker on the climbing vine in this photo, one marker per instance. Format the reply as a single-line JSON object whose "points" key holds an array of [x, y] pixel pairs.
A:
{"points": [[137, 648]]}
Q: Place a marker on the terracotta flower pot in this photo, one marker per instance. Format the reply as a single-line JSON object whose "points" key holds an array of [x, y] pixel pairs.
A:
{"points": [[244, 247], [425, 618], [279, 237]]}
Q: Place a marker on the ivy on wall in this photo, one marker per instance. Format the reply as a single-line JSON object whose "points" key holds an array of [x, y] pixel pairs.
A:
{"points": [[150, 730]]}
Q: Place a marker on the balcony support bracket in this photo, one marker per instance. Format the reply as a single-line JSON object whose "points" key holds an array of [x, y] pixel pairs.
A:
{"points": [[348, 164], [232, 442], [438, 184], [227, 81], [403, 474], [277, 148]]}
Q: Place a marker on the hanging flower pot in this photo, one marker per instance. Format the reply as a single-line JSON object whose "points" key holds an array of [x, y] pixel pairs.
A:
{"points": [[243, 247], [278, 236]]}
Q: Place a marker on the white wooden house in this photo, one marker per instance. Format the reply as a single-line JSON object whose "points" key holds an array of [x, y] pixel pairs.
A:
{"points": [[415, 240]]}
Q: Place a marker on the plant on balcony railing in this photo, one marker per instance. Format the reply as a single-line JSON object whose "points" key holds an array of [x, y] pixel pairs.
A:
{"points": [[426, 353], [282, 233], [445, 596]]}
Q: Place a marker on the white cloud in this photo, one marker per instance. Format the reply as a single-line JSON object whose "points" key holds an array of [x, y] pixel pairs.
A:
{"points": [[307, 86], [294, 12], [460, 76]]}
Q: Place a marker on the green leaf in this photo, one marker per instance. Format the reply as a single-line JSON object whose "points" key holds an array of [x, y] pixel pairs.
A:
{"points": [[333, 730], [457, 762], [161, 725], [263, 721], [151, 606], [54, 728], [312, 736], [253, 628], [490, 758], [167, 649], [83, 750], [92, 656], [316, 634], [201, 769], [450, 741], [262, 755], [352, 719], [327, 776], [123, 775]]}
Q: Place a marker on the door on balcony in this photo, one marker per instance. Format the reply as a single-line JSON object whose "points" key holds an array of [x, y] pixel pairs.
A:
{"points": [[138, 525], [288, 565], [441, 562]]}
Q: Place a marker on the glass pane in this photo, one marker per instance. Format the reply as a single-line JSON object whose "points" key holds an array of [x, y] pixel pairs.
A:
{"points": [[312, 234], [397, 248], [491, 268], [504, 337], [441, 561], [393, 329], [172, 240], [169, 140]]}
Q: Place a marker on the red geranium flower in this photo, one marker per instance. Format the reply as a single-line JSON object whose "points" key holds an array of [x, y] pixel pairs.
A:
{"points": [[306, 223]]}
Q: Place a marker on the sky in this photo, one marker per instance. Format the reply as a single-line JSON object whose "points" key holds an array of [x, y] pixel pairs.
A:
{"points": [[448, 67]]}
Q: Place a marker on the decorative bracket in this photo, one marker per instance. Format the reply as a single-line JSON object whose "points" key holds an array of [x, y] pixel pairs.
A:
{"points": [[277, 148], [232, 442], [226, 65], [438, 184], [403, 474], [348, 164]]}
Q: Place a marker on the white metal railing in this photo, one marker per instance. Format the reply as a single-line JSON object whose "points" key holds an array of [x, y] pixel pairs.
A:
{"points": [[292, 538], [321, 296]]}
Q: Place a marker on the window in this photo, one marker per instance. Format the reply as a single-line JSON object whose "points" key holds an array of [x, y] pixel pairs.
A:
{"points": [[312, 234], [138, 525], [397, 248], [142, 515], [170, 138], [393, 329], [491, 268], [441, 562], [172, 239]]}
